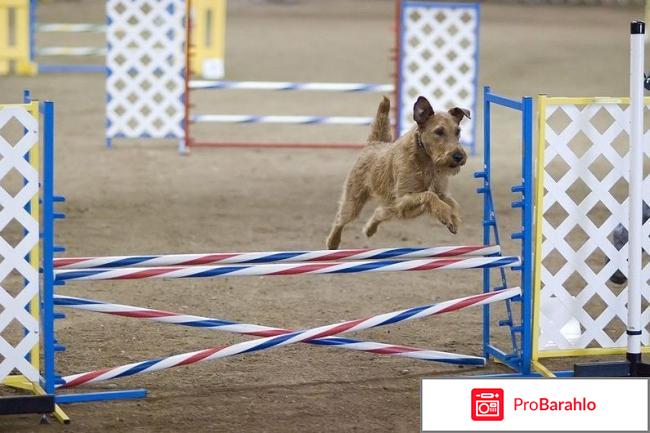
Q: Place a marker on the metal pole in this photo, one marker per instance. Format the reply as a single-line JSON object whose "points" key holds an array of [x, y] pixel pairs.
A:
{"points": [[47, 196], [634, 328], [527, 235], [185, 142]]}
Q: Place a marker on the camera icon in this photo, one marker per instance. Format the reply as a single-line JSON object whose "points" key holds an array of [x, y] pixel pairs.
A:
{"points": [[487, 404]]}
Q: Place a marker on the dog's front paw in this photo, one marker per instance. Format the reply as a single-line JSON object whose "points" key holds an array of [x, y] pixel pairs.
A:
{"points": [[456, 221], [445, 216]]}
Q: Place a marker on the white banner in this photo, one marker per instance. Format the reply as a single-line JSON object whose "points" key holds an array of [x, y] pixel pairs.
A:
{"points": [[535, 404]]}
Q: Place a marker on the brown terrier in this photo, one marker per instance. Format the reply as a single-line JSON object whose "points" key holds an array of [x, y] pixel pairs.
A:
{"points": [[409, 177]]}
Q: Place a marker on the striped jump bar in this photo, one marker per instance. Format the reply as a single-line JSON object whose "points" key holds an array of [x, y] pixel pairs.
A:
{"points": [[292, 120], [71, 51], [289, 86], [274, 257], [70, 28], [284, 268], [296, 337], [246, 328]]}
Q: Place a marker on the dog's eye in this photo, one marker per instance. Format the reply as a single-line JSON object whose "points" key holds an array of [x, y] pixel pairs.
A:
{"points": [[457, 132], [439, 131]]}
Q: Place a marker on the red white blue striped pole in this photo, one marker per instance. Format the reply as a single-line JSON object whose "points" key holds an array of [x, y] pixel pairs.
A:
{"points": [[361, 266], [217, 324], [278, 119], [294, 337], [70, 28], [273, 257], [292, 86], [71, 51]]}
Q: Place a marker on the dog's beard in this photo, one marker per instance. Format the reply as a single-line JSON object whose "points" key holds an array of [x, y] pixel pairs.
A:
{"points": [[451, 170], [441, 161], [447, 164]]}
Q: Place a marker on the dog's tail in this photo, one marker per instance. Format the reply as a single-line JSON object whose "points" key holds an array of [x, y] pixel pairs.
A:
{"points": [[380, 129]]}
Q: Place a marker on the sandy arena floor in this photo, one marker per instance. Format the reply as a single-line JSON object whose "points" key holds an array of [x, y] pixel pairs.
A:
{"points": [[142, 197]]}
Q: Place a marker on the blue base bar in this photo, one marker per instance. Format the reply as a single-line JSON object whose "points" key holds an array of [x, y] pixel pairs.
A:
{"points": [[71, 69], [511, 360], [562, 373], [100, 396]]}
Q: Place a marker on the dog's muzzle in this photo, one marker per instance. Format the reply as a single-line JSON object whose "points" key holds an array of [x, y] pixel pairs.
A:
{"points": [[458, 159]]}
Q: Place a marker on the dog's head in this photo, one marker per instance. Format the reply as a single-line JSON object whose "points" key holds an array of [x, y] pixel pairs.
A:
{"points": [[439, 134]]}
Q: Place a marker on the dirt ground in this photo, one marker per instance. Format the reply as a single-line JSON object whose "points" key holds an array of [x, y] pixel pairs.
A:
{"points": [[142, 197]]}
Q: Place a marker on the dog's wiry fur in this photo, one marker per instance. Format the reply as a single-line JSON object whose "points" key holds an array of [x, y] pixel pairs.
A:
{"points": [[408, 177]]}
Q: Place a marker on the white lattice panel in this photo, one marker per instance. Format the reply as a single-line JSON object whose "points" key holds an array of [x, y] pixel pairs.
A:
{"points": [[14, 249], [585, 197], [438, 59], [145, 61]]}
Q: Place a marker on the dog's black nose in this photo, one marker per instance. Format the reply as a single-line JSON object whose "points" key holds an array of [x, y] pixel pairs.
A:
{"points": [[458, 156]]}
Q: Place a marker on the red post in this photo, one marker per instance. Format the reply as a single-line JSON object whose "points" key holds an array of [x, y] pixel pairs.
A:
{"points": [[397, 28], [187, 75]]}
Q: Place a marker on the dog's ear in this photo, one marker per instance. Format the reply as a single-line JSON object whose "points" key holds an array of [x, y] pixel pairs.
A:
{"points": [[458, 113], [422, 111]]}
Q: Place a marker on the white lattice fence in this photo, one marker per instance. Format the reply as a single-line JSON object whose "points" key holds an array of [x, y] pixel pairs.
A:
{"points": [[584, 194], [19, 240], [145, 61], [438, 59]]}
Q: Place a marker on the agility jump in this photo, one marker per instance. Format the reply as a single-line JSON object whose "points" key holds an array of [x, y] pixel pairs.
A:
{"points": [[60, 271], [171, 112]]}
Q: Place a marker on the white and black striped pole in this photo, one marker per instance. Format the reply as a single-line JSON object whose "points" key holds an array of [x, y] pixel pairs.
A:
{"points": [[634, 328]]}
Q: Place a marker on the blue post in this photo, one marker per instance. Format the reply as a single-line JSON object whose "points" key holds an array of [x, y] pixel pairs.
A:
{"points": [[520, 326], [486, 213], [47, 197], [32, 29], [50, 345], [527, 230]]}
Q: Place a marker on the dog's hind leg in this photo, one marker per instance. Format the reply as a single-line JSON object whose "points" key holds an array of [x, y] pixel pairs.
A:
{"points": [[351, 204], [380, 130]]}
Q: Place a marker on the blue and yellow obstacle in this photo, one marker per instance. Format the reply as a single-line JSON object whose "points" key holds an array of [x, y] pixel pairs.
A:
{"points": [[19, 28]]}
